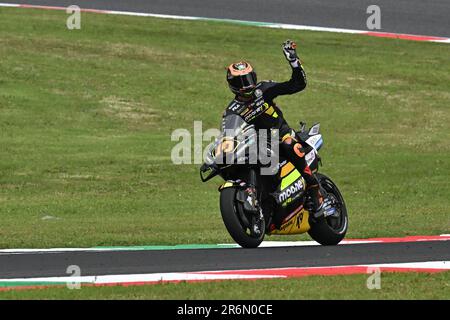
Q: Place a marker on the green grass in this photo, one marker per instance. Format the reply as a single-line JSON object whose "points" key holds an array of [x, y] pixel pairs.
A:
{"points": [[86, 119], [393, 286]]}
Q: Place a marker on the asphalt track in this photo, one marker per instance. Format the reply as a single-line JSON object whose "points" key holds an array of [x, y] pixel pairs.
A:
{"points": [[156, 261], [400, 16]]}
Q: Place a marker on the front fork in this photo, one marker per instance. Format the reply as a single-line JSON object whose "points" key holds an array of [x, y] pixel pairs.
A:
{"points": [[251, 199], [249, 195]]}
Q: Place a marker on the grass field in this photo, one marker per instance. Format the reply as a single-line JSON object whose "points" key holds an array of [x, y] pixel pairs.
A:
{"points": [[86, 119], [393, 286]]}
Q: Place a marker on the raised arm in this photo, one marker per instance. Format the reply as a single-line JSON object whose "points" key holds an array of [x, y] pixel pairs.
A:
{"points": [[298, 79]]}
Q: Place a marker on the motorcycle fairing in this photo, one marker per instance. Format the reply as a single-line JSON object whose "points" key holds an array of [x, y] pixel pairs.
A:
{"points": [[295, 223], [315, 141], [291, 185], [232, 183]]}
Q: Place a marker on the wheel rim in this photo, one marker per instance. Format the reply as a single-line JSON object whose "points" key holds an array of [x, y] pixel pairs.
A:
{"points": [[248, 229], [337, 221]]}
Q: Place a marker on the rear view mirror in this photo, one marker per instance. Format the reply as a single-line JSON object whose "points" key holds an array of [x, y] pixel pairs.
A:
{"points": [[314, 129]]}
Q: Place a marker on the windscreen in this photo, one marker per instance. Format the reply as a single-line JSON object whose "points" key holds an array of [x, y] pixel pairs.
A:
{"points": [[232, 125]]}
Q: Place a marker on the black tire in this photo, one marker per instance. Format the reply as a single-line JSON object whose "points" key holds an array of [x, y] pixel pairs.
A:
{"points": [[330, 230], [234, 225]]}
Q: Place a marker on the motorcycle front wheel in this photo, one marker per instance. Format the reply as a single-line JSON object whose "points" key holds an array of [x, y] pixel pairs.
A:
{"points": [[240, 225]]}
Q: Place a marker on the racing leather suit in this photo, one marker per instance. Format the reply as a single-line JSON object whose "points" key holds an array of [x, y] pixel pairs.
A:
{"points": [[261, 111]]}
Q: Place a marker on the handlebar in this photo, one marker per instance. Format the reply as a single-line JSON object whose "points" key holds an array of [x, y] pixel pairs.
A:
{"points": [[204, 168]]}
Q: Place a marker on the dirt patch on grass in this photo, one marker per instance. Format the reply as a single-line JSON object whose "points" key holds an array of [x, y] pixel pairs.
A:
{"points": [[129, 110], [78, 176]]}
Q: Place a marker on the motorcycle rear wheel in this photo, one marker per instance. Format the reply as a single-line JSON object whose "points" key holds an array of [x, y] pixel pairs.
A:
{"points": [[330, 230], [229, 208]]}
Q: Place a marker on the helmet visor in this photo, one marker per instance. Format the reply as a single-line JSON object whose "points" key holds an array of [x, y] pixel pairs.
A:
{"points": [[243, 82]]}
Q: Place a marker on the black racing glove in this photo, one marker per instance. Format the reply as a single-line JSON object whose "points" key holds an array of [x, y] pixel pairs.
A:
{"points": [[290, 52]]}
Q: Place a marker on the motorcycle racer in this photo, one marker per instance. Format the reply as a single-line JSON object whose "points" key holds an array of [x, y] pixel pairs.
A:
{"points": [[254, 102]]}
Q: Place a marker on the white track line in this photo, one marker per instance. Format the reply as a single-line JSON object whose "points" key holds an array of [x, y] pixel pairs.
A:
{"points": [[224, 275], [11, 5], [442, 265], [129, 278], [274, 244]]}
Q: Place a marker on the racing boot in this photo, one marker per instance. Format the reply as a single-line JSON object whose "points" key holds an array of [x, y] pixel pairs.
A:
{"points": [[318, 204]]}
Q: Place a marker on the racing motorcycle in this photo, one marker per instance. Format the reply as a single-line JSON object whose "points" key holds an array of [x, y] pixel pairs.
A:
{"points": [[253, 204]]}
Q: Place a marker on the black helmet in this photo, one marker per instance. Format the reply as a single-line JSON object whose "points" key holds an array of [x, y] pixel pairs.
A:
{"points": [[241, 78]]}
